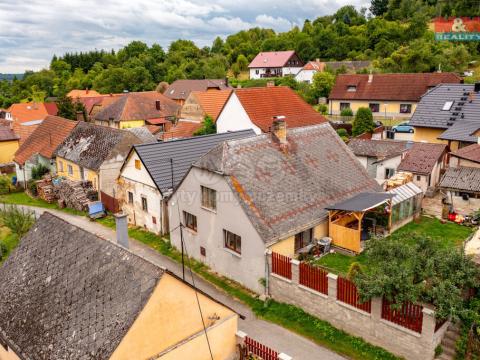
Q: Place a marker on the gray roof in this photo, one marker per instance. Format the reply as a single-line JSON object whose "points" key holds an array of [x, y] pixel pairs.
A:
{"points": [[66, 294], [361, 202], [143, 134], [181, 89], [380, 149], [465, 110], [462, 131], [404, 192], [461, 179], [89, 145], [350, 65], [184, 152], [285, 189]]}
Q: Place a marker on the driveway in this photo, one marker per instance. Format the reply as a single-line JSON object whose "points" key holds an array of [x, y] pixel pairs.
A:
{"points": [[272, 335]]}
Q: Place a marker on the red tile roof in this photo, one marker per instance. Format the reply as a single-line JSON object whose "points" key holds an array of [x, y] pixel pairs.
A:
{"points": [[396, 87], [263, 103], [183, 129], [470, 152], [422, 157], [314, 65], [24, 112], [212, 102], [45, 138], [271, 59], [82, 93]]}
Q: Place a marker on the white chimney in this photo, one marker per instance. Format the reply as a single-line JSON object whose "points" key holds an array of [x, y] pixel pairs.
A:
{"points": [[370, 78], [122, 229]]}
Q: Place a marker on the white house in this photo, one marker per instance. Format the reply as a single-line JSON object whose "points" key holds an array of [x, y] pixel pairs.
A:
{"points": [[264, 192], [275, 64], [151, 171], [256, 108], [310, 69]]}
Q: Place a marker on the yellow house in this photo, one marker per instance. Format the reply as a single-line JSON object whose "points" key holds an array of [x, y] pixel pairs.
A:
{"points": [[8, 145], [96, 300], [387, 95]]}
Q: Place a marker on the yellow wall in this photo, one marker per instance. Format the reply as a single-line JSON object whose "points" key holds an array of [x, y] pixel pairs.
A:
{"points": [[393, 107], [428, 135], [170, 317], [7, 355], [7, 151], [131, 124], [287, 246], [76, 176]]}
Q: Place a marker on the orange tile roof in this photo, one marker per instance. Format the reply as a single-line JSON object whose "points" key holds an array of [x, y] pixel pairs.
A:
{"points": [[23, 112], [314, 65], [183, 129], [82, 93], [212, 102], [45, 138], [263, 103]]}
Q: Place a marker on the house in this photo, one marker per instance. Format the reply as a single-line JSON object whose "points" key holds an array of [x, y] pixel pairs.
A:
{"points": [[267, 192], [137, 109], [468, 156], [151, 171], [95, 153], [255, 108], [312, 67], [94, 104], [461, 185], [426, 162], [27, 116], [394, 95], [197, 106], [68, 294], [40, 146], [275, 64], [448, 114], [180, 90], [381, 158], [75, 93]]}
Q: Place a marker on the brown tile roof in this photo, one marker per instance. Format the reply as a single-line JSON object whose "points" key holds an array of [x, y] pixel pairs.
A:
{"points": [[45, 139], [212, 102], [183, 129], [396, 87], [379, 149], [263, 103], [470, 152], [422, 157], [82, 93], [285, 190], [138, 106], [181, 89], [7, 134]]}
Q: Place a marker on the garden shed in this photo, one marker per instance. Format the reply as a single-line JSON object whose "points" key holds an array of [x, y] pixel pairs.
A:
{"points": [[406, 205]]}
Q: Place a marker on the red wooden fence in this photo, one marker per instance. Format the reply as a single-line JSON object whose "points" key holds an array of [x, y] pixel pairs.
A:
{"points": [[260, 350], [314, 278], [281, 265], [347, 293], [110, 203], [408, 315]]}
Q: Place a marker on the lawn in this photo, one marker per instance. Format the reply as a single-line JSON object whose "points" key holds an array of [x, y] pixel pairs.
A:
{"points": [[21, 198], [449, 234]]}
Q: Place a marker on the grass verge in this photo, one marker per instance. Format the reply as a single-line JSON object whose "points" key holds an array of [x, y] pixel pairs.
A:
{"points": [[22, 198]]}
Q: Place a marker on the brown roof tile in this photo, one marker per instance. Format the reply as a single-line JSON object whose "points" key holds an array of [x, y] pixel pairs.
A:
{"points": [[183, 129], [82, 93], [422, 157], [7, 134], [470, 152], [380, 149], [181, 89]]}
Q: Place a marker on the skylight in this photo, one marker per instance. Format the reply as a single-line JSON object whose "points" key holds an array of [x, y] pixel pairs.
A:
{"points": [[447, 106], [352, 88]]}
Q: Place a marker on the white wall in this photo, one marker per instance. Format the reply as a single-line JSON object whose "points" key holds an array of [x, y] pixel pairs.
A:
{"points": [[291, 70], [305, 76], [234, 117], [246, 268], [391, 163], [25, 173]]}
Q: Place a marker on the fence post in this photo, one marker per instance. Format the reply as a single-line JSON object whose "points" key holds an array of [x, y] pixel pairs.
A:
{"points": [[332, 286], [295, 271], [428, 324], [241, 336], [283, 356], [376, 309]]}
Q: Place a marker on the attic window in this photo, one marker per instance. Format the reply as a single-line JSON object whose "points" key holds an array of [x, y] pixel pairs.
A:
{"points": [[352, 88], [447, 106], [138, 164]]}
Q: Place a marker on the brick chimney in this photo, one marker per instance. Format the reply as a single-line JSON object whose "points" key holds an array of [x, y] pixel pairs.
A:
{"points": [[279, 129], [80, 116]]}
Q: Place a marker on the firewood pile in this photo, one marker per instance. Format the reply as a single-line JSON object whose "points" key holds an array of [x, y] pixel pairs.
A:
{"points": [[75, 194], [45, 189]]}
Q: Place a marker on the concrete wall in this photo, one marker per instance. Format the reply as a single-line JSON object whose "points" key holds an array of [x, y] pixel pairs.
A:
{"points": [[234, 117], [381, 166], [458, 162], [465, 207], [392, 107], [246, 268], [371, 327]]}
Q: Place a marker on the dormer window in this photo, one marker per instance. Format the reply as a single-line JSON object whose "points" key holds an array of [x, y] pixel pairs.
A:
{"points": [[352, 88], [447, 106]]}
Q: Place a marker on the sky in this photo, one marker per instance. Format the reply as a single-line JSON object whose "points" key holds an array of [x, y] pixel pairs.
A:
{"points": [[32, 31]]}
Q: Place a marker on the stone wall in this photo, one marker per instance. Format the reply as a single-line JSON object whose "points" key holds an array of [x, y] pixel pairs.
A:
{"points": [[371, 327]]}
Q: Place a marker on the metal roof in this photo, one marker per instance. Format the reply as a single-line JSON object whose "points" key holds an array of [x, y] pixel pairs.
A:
{"points": [[157, 157], [404, 192], [362, 202]]}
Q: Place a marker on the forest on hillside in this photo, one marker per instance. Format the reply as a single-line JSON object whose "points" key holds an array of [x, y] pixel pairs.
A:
{"points": [[394, 34]]}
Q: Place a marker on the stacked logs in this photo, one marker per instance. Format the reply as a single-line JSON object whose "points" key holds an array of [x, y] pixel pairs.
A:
{"points": [[75, 194]]}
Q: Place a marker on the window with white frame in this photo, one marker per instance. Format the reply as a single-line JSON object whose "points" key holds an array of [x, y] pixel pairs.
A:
{"points": [[389, 172]]}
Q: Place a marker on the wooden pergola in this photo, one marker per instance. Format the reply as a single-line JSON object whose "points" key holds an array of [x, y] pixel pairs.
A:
{"points": [[345, 218]]}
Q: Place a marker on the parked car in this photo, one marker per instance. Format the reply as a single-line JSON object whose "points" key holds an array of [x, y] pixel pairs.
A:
{"points": [[403, 128]]}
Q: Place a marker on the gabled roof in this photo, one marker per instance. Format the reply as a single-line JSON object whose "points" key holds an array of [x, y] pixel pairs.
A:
{"points": [[285, 189], [314, 65], [380, 149], [23, 112], [272, 59], [470, 152], [422, 157], [45, 139], [89, 145], [7, 134], [461, 179], [82, 93], [180, 89], [212, 102], [138, 106], [465, 131], [67, 294], [394, 87], [263, 103], [465, 107], [184, 152], [182, 129]]}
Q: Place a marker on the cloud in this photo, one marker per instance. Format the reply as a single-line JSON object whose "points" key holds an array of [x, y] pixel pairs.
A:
{"points": [[31, 32]]}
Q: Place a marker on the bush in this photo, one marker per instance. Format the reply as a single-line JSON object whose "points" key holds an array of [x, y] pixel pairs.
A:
{"points": [[17, 220], [208, 127], [32, 187], [346, 112], [3, 250], [4, 184], [323, 109], [38, 171], [363, 122], [343, 133]]}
